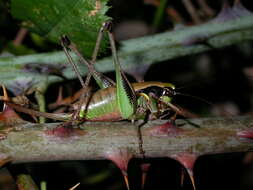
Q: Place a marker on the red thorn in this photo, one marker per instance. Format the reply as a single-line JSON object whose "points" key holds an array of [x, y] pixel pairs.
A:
{"points": [[240, 10], [248, 133], [225, 14], [4, 159], [230, 13], [120, 158], [167, 129], [60, 97], [144, 168], [64, 132], [9, 117], [8, 121], [187, 160]]}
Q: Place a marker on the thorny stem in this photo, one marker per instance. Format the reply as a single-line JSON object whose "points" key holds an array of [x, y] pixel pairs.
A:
{"points": [[212, 136], [71, 61], [67, 43]]}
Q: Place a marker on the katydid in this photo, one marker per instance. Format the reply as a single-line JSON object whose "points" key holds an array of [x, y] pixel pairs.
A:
{"points": [[120, 100], [114, 101]]}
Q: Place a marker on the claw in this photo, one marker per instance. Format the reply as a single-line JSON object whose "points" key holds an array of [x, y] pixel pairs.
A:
{"points": [[120, 157]]}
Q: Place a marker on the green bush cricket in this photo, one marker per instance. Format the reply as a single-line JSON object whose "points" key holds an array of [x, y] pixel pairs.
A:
{"points": [[114, 101]]}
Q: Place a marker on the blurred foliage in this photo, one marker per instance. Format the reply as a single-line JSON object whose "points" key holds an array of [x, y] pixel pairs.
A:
{"points": [[222, 76], [78, 19]]}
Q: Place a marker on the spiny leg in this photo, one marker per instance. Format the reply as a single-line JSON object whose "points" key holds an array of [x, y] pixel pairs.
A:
{"points": [[102, 80], [98, 42], [94, 55], [126, 96], [144, 169], [65, 42]]}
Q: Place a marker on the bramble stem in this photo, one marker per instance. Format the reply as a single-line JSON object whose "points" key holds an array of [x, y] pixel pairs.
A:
{"points": [[212, 136]]}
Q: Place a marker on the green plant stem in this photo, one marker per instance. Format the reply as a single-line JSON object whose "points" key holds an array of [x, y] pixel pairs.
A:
{"points": [[40, 97]]}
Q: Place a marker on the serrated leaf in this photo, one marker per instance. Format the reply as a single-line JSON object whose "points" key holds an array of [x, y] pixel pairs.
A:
{"points": [[79, 19]]}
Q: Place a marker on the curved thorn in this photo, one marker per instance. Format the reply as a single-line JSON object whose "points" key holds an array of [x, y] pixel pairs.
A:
{"points": [[187, 160], [6, 97], [75, 186], [59, 97], [121, 158], [144, 169], [182, 177], [126, 181], [190, 173]]}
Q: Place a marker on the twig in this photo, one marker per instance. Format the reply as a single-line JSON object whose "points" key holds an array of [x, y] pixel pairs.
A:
{"points": [[195, 136]]}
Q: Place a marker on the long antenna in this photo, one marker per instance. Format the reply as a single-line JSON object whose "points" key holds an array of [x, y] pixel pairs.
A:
{"points": [[196, 98], [97, 46]]}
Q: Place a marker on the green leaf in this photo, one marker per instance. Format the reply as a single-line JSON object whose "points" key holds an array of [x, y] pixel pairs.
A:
{"points": [[79, 19]]}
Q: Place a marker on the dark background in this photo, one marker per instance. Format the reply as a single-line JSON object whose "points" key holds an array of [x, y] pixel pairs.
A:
{"points": [[221, 76]]}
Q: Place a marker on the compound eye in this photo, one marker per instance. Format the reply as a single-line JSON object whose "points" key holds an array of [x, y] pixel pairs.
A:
{"points": [[169, 91]]}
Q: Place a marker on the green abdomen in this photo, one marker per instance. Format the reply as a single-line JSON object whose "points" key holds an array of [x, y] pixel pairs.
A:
{"points": [[102, 106]]}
